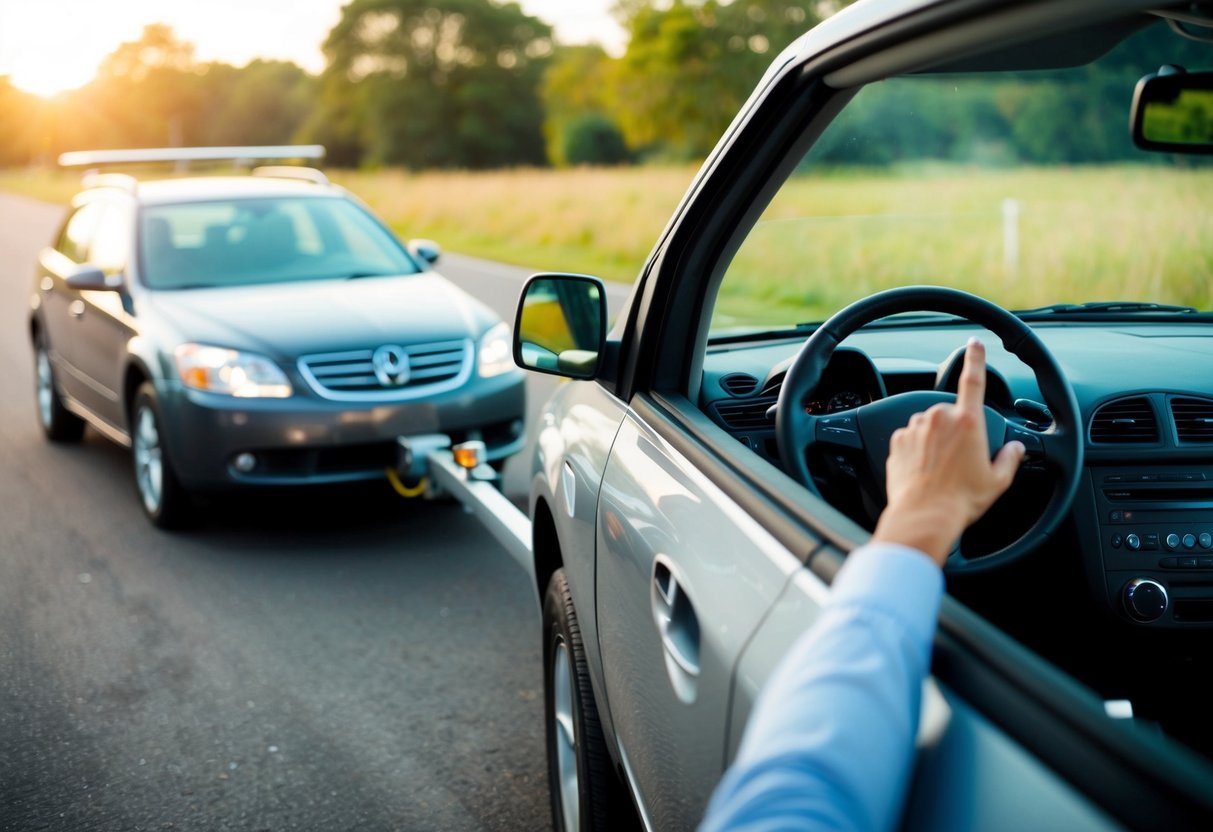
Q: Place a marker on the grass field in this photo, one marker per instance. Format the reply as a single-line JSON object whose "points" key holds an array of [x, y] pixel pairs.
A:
{"points": [[1122, 232]]}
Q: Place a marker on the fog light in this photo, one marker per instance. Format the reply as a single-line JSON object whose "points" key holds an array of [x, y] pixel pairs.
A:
{"points": [[244, 463], [468, 454]]}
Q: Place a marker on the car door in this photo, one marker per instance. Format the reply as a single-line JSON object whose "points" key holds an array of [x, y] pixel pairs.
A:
{"points": [[685, 576], [104, 322], [60, 304]]}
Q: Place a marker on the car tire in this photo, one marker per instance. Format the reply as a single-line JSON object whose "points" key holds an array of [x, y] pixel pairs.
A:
{"points": [[164, 500], [586, 794], [58, 423]]}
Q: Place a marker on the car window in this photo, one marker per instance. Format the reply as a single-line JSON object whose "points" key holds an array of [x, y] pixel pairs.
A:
{"points": [[111, 242], [78, 232], [1022, 187], [265, 240]]}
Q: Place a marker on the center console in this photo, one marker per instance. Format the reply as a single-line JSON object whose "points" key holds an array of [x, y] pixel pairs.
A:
{"points": [[1156, 543]]}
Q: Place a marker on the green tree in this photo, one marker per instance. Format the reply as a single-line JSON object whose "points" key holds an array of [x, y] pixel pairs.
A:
{"points": [[435, 83], [689, 67], [578, 97]]}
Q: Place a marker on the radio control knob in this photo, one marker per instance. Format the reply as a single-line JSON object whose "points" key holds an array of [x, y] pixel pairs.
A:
{"points": [[1145, 600], [1189, 541], [1133, 542], [1172, 541], [1206, 540]]}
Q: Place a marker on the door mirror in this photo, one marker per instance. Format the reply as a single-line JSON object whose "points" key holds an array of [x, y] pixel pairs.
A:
{"points": [[1173, 111], [561, 325], [87, 277], [427, 250]]}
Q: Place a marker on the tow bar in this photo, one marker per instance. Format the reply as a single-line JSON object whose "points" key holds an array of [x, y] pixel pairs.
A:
{"points": [[460, 471]]}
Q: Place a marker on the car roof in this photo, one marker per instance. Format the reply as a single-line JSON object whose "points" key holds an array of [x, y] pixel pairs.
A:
{"points": [[207, 188]]}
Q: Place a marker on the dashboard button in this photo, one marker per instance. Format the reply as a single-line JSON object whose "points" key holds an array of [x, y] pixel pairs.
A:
{"points": [[1167, 563], [1206, 540], [1189, 541], [1116, 541], [1187, 563], [1116, 516], [1172, 541], [1114, 478], [1133, 542], [1150, 541], [1205, 563]]}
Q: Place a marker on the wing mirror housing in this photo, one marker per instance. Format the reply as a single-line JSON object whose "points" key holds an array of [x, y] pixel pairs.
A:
{"points": [[1173, 111], [88, 278], [561, 325], [427, 250]]}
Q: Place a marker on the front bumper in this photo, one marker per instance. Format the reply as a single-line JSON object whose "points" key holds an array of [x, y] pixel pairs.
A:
{"points": [[305, 440]]}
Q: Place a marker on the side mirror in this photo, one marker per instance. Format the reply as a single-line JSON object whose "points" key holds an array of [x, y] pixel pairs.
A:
{"points": [[87, 277], [561, 325], [1173, 111], [427, 250]]}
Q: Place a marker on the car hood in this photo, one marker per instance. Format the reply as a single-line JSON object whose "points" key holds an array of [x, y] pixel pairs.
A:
{"points": [[286, 320]]}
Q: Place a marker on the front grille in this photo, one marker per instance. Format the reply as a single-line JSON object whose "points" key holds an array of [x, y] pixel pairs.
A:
{"points": [[350, 375]]}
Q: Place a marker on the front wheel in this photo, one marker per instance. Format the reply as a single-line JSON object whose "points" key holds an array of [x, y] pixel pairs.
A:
{"points": [[586, 794], [58, 423], [164, 500]]}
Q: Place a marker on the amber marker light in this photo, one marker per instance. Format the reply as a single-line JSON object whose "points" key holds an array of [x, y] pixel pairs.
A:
{"points": [[468, 454]]}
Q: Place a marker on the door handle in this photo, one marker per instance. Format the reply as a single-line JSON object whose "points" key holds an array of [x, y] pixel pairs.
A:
{"points": [[678, 626], [76, 309]]}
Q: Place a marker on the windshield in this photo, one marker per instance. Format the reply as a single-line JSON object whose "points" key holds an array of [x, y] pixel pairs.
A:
{"points": [[268, 240], [1022, 187]]}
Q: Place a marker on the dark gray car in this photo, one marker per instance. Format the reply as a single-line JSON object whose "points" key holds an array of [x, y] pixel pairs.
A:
{"points": [[257, 330]]}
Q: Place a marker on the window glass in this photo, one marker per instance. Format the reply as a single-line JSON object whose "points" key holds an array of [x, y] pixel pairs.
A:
{"points": [[1023, 187], [268, 240], [111, 244], [78, 233]]}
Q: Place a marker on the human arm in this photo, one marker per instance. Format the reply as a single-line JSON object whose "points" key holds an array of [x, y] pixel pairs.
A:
{"points": [[830, 742]]}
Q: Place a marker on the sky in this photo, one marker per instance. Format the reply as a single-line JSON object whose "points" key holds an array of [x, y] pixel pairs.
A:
{"points": [[47, 46]]}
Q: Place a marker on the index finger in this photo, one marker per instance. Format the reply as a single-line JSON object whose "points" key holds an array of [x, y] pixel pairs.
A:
{"points": [[971, 394]]}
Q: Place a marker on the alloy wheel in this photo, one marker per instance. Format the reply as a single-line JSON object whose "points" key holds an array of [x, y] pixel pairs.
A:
{"points": [[566, 737], [149, 463], [45, 388]]}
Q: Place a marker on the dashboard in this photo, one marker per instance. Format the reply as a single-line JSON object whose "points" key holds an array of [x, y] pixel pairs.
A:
{"points": [[1142, 522]]}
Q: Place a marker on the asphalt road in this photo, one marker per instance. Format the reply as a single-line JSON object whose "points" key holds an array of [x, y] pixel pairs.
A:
{"points": [[308, 660]]}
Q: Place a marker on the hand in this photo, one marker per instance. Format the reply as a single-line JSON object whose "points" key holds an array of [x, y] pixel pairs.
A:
{"points": [[939, 474]]}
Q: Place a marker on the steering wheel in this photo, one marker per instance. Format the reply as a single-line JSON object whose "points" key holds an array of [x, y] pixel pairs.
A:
{"points": [[868, 429]]}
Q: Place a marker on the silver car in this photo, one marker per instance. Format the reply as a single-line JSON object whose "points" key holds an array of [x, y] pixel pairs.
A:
{"points": [[720, 450]]}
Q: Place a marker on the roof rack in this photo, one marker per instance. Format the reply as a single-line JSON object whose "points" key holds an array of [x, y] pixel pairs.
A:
{"points": [[291, 172], [239, 155], [96, 179]]}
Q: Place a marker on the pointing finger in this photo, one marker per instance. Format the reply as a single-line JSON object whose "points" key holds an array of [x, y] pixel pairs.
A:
{"points": [[972, 393]]}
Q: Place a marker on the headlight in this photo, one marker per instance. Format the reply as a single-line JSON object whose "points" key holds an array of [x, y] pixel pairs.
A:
{"points": [[241, 374], [496, 351]]}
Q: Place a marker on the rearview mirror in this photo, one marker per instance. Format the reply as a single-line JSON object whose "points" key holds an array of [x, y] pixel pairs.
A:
{"points": [[561, 325], [88, 278], [1173, 111]]}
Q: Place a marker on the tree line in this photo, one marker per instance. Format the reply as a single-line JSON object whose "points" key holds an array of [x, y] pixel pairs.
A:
{"points": [[476, 84]]}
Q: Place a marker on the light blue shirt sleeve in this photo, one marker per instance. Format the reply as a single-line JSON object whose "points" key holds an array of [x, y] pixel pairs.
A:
{"points": [[830, 742]]}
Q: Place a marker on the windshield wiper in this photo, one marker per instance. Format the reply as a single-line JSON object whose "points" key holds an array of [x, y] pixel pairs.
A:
{"points": [[1105, 307]]}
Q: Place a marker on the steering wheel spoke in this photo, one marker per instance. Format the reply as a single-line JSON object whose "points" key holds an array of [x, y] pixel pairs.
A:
{"points": [[838, 430]]}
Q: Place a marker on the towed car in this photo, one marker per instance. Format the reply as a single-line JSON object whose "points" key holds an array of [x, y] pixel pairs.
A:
{"points": [[904, 176], [256, 330]]}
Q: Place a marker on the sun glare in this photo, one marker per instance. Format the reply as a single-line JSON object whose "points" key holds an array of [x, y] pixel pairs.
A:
{"points": [[52, 75]]}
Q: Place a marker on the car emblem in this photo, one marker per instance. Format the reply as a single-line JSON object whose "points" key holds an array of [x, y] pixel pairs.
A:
{"points": [[391, 364]]}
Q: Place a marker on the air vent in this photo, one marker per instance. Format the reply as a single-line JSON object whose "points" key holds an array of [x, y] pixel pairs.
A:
{"points": [[751, 415], [1193, 419], [739, 384], [1124, 421]]}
